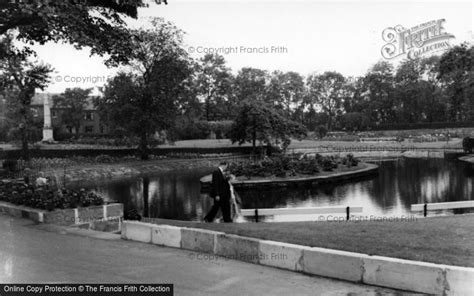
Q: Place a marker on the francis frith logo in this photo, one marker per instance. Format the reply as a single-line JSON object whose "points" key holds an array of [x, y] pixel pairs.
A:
{"points": [[424, 39]]}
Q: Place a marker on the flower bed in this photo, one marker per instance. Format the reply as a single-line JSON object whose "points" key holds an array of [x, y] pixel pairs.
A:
{"points": [[284, 165], [42, 197]]}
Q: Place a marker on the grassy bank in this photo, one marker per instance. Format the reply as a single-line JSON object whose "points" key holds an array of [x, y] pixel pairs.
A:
{"points": [[443, 240], [295, 144]]}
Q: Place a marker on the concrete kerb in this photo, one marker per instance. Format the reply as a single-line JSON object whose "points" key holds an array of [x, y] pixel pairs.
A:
{"points": [[199, 240], [166, 235], [400, 274], [459, 280], [356, 267], [137, 231], [281, 255], [237, 247], [334, 264]]}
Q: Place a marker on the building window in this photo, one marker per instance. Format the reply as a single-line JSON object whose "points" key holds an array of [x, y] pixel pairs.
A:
{"points": [[89, 115], [89, 129], [53, 113]]}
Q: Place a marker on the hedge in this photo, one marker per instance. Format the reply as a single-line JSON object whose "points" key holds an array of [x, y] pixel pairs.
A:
{"points": [[64, 153], [424, 125]]}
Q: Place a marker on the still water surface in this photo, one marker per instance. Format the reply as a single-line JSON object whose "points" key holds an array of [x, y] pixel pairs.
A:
{"points": [[400, 183]]}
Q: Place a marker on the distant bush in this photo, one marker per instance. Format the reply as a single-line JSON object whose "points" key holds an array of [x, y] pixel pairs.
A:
{"points": [[98, 139], [321, 131], [221, 128], [188, 129], [354, 121], [422, 125]]}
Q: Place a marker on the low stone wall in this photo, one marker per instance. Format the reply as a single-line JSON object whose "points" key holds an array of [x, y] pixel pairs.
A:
{"points": [[388, 272], [66, 217]]}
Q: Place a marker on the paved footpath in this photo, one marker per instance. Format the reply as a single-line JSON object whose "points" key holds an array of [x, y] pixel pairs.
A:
{"points": [[32, 253]]}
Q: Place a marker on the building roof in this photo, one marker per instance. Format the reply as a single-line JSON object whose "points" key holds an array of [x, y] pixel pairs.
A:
{"points": [[38, 100]]}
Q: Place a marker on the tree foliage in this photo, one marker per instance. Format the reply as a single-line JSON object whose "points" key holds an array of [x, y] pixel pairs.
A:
{"points": [[73, 103], [286, 90], [97, 24], [456, 72], [213, 83], [250, 84], [326, 91], [145, 100]]}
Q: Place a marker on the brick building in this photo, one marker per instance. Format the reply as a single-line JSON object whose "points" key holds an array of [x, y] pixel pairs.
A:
{"points": [[90, 123]]}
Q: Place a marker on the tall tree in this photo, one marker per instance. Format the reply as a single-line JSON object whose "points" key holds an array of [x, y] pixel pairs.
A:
{"points": [[408, 92], [435, 100], [213, 82], [353, 96], [456, 72], [378, 88], [146, 100], [250, 84], [286, 91], [326, 90], [21, 76], [73, 103]]}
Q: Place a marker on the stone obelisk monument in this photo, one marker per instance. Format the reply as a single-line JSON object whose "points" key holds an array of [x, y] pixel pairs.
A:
{"points": [[47, 128]]}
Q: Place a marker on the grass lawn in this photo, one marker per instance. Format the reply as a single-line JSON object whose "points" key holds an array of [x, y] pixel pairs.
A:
{"points": [[295, 144], [443, 240]]}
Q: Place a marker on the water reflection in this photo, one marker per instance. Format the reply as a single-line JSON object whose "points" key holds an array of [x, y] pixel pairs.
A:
{"points": [[176, 195]]}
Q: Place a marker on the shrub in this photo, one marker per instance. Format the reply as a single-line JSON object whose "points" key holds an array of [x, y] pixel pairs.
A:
{"points": [[221, 128], [285, 165], [45, 198], [11, 165], [189, 129], [328, 163], [349, 160], [321, 131], [309, 166]]}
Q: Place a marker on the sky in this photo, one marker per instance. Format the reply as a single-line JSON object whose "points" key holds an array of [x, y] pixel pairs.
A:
{"points": [[303, 36]]}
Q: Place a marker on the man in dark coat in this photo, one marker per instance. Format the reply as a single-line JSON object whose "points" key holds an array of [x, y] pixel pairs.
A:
{"points": [[220, 192]]}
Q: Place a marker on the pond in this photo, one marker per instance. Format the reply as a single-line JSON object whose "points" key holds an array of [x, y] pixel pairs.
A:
{"points": [[400, 183]]}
